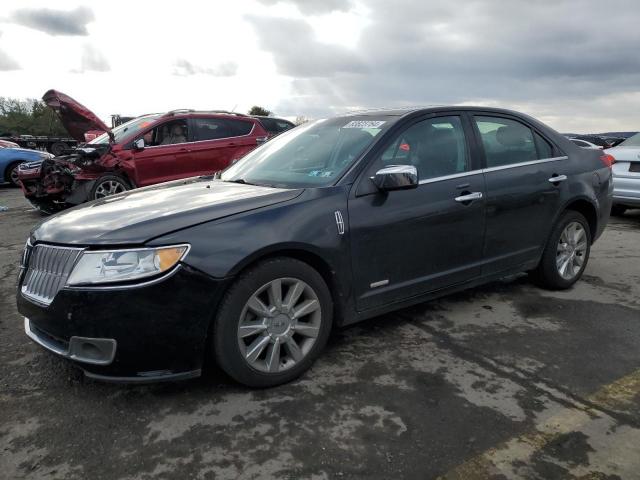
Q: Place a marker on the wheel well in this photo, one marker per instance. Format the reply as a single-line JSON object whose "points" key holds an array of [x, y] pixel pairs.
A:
{"points": [[589, 212], [314, 261]]}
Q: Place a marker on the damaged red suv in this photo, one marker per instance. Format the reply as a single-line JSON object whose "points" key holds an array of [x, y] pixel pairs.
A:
{"points": [[150, 149]]}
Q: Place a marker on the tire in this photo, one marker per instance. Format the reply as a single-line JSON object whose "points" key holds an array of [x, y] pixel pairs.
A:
{"points": [[236, 339], [108, 185], [58, 148], [618, 210], [564, 246], [11, 175]]}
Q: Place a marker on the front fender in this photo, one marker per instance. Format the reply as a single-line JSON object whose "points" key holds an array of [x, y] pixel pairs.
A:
{"points": [[306, 224]]}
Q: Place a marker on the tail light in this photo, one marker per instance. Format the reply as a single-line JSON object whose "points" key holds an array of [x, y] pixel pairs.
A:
{"points": [[607, 159]]}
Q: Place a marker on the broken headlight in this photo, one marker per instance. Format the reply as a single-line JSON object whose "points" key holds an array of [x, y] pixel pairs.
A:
{"points": [[108, 266]]}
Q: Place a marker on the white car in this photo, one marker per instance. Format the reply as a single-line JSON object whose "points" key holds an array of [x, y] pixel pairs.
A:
{"points": [[585, 144], [626, 175]]}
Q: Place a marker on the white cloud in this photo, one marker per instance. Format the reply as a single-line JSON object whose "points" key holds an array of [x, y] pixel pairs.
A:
{"points": [[314, 57]]}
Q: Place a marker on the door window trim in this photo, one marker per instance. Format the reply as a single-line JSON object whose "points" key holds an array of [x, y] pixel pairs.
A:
{"points": [[491, 169], [524, 164]]}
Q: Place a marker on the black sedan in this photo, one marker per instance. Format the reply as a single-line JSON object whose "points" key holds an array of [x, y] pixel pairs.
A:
{"points": [[330, 223]]}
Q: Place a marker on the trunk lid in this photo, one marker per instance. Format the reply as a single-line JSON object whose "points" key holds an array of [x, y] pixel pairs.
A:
{"points": [[75, 117]]}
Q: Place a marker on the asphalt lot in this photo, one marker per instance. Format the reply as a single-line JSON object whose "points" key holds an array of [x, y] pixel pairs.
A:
{"points": [[503, 381]]}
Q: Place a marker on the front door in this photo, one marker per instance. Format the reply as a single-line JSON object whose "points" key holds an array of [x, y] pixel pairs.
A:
{"points": [[522, 196], [166, 155], [408, 242]]}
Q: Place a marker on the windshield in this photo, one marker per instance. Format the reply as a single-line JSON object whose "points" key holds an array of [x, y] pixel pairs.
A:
{"points": [[121, 131], [631, 141], [312, 155]]}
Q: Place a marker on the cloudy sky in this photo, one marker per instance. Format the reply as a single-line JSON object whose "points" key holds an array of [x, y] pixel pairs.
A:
{"points": [[573, 63]]}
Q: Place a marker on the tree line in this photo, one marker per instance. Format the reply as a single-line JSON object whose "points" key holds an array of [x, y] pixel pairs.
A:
{"points": [[28, 117]]}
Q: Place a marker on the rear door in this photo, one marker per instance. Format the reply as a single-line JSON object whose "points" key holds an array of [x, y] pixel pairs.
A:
{"points": [[524, 177], [408, 242], [220, 141]]}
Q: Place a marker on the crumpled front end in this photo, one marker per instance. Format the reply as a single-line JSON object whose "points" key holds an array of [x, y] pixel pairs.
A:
{"points": [[64, 181]]}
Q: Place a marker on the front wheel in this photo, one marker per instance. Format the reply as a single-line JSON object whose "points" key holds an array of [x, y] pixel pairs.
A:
{"points": [[566, 254], [12, 174], [272, 323], [108, 185]]}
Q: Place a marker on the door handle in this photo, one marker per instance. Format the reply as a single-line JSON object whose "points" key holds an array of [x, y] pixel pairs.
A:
{"points": [[557, 178], [469, 197]]}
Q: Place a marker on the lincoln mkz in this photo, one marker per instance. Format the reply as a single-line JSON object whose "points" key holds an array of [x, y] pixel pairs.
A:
{"points": [[330, 223]]}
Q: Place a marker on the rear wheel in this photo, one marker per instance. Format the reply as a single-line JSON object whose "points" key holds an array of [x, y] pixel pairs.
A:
{"points": [[272, 323], [566, 254], [108, 185], [618, 210]]}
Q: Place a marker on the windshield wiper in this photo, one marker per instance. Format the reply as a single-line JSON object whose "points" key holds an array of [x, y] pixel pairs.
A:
{"points": [[242, 181]]}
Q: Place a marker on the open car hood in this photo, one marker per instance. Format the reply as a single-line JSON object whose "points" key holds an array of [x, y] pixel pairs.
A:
{"points": [[75, 117]]}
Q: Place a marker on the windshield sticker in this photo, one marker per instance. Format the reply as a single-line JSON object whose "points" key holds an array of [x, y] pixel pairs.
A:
{"points": [[320, 173], [365, 124]]}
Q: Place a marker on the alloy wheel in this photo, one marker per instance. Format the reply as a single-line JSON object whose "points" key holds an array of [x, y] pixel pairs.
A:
{"points": [[279, 325], [108, 188], [571, 250]]}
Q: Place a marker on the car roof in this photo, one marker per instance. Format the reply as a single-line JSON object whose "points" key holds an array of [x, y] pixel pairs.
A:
{"points": [[403, 111]]}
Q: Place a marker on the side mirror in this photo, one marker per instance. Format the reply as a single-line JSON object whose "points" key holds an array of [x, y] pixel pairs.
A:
{"points": [[138, 144], [396, 177]]}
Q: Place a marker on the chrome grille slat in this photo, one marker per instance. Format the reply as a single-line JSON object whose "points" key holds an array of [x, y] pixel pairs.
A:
{"points": [[48, 268]]}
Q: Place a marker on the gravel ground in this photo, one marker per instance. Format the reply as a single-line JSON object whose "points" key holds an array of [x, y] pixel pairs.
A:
{"points": [[502, 381]]}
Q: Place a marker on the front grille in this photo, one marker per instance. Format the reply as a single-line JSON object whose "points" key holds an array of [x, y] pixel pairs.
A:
{"points": [[48, 268]]}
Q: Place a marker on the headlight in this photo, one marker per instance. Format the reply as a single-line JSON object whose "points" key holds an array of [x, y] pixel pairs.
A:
{"points": [[107, 266]]}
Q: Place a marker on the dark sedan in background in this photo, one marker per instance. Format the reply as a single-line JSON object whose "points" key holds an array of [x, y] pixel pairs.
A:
{"points": [[330, 223]]}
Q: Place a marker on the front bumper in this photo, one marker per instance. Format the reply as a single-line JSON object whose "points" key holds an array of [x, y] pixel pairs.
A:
{"points": [[143, 333]]}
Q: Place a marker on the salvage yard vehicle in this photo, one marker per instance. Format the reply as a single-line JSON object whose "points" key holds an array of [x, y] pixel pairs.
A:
{"points": [[626, 175], [150, 149], [53, 144], [333, 222], [12, 158]]}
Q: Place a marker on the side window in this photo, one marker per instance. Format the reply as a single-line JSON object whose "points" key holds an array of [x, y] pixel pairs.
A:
{"points": [[169, 133], [506, 141], [545, 150], [240, 127], [216, 128], [436, 147]]}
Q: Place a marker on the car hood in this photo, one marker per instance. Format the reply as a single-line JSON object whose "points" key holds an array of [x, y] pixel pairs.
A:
{"points": [[134, 217], [23, 154], [75, 117], [625, 154]]}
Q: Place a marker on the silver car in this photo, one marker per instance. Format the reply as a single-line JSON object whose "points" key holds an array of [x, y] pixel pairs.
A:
{"points": [[626, 175]]}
